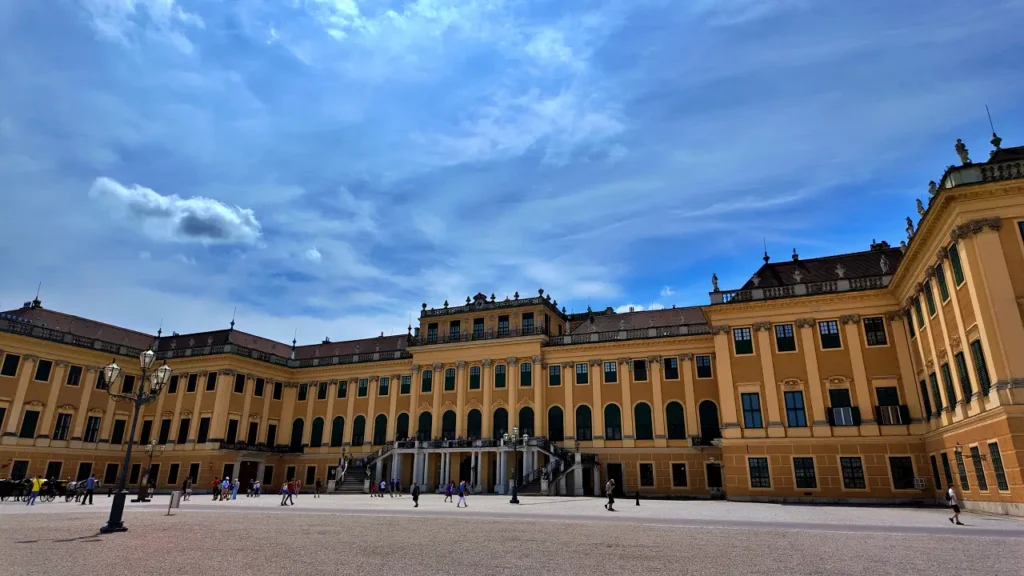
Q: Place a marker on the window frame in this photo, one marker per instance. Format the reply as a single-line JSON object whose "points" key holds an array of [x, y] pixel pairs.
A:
{"points": [[764, 481], [752, 413], [642, 362], [979, 468], [908, 482], [672, 474], [65, 430], [800, 411], [855, 475], [475, 378], [502, 371], [981, 372], [363, 388], [614, 371], [829, 324], [802, 472], [584, 369], [49, 370], [642, 477], [957, 266], [90, 430], [940, 282], [78, 371], [555, 375], [996, 457], [670, 365], [710, 366], [211, 382], [17, 365], [450, 376], [405, 385], [875, 331], [779, 339], [526, 374], [427, 381], [747, 334]]}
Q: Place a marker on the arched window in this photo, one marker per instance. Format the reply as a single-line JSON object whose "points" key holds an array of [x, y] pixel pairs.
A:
{"points": [[676, 421], [556, 424], [584, 431], [612, 422], [424, 429], [337, 431], [297, 427], [474, 423], [707, 412], [402, 428], [316, 433], [642, 421], [526, 421], [448, 425], [358, 430], [500, 422], [380, 430]]}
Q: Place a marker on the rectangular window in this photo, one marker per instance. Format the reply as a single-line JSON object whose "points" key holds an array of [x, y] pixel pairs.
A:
{"points": [[926, 400], [853, 473], [134, 473], [678, 475], [3, 414], [172, 386], [28, 424], [53, 469], [383, 385], [43, 370], [954, 262], [127, 384], [268, 476], [935, 473], [500, 372], [257, 389], [829, 332], [278, 391], [785, 340], [364, 388], [310, 475], [454, 330], [961, 470], [703, 366], [19, 470], [997, 466], [671, 367], [528, 323], [432, 332], [478, 328], [10, 366], [110, 473], [92, 429], [902, 468], [554, 375], [321, 391], [62, 427], [253, 435], [449, 379], [929, 299], [803, 468], [211, 381], [890, 412], [874, 331], [759, 476], [918, 313], [611, 372], [980, 367], [271, 434], [947, 381], [232, 435], [963, 375], [910, 323], [183, 425], [474, 378], [796, 415], [405, 386], [239, 384], [427, 381], [74, 376], [940, 279], [85, 470], [204, 430], [502, 325], [751, 410], [646, 474], [172, 474], [742, 342], [165, 431], [946, 469], [525, 375], [639, 370], [841, 411], [117, 434], [936, 395], [303, 393], [193, 381], [582, 375], [342, 389], [147, 432], [193, 472]]}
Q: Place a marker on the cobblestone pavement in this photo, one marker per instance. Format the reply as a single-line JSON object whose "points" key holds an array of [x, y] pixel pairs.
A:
{"points": [[359, 534]]}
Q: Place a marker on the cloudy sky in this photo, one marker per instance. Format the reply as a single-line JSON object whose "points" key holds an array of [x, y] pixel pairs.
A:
{"points": [[327, 165]]}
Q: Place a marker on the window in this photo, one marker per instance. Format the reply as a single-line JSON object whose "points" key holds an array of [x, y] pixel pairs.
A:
{"points": [[383, 385], [642, 420], [92, 429], [474, 378], [611, 372], [703, 366], [803, 468], [902, 468], [110, 473], [556, 424], [751, 410], [947, 381], [841, 412], [963, 375], [785, 340], [926, 400], [278, 391], [321, 391], [742, 342], [583, 424], [427, 381], [945, 468], [204, 430], [239, 384], [997, 466], [582, 376], [232, 435], [303, 392], [502, 325], [639, 370], [449, 379], [147, 432], [432, 332], [117, 434], [28, 424], [910, 323], [940, 279], [85, 470], [478, 328], [134, 473], [271, 434], [253, 435], [342, 389], [211, 381], [554, 375], [62, 426], [954, 262], [759, 476], [316, 433], [3, 413], [257, 389], [528, 323], [525, 375], [165, 431], [10, 366], [829, 332], [671, 367], [455, 330], [676, 420], [612, 422], [19, 470], [889, 410], [172, 386], [43, 369], [961, 470], [364, 388], [929, 299], [918, 313], [405, 386], [75, 376], [874, 331], [500, 372], [796, 414], [172, 474], [678, 475], [646, 474], [192, 382], [53, 469], [127, 384], [310, 475], [268, 475], [183, 425], [853, 473], [980, 367], [934, 381], [935, 473]]}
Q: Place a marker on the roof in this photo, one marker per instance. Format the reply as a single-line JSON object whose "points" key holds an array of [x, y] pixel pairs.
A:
{"points": [[609, 321], [34, 313], [364, 346], [1006, 155], [881, 260]]}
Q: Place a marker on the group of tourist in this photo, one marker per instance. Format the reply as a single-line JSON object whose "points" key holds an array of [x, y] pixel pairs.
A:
{"points": [[392, 487]]}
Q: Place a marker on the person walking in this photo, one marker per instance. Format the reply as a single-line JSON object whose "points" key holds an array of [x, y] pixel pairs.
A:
{"points": [[36, 486], [415, 495], [317, 486], [256, 489], [216, 489], [186, 488], [287, 490], [90, 486], [609, 490], [383, 488], [955, 505], [448, 493], [462, 495], [234, 489]]}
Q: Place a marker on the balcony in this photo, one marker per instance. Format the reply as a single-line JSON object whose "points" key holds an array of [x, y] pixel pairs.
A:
{"points": [[636, 334], [892, 415], [244, 447], [797, 290], [476, 336], [844, 416]]}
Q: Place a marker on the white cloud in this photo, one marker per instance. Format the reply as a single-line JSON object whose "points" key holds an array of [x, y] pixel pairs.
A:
{"points": [[548, 47], [187, 260], [119, 20], [667, 291], [171, 218], [313, 255]]}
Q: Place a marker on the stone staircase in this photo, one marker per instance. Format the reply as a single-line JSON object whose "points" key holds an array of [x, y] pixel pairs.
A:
{"points": [[354, 480]]}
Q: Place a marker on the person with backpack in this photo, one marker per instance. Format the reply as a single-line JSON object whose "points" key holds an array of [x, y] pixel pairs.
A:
{"points": [[955, 505]]}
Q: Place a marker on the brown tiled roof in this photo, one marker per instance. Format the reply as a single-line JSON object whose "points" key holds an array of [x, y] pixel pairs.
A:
{"points": [[854, 265], [363, 346], [606, 321], [1007, 155], [82, 327]]}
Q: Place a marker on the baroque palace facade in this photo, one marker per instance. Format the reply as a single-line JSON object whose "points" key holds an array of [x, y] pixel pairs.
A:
{"points": [[884, 375]]}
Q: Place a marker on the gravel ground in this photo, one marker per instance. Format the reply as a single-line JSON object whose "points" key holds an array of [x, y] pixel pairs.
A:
{"points": [[353, 535]]}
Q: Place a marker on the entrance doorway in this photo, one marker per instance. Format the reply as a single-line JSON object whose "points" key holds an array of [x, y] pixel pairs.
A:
{"points": [[588, 481], [714, 475], [247, 472], [466, 469], [615, 473]]}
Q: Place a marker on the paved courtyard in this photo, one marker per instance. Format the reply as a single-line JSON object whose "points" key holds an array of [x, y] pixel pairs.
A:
{"points": [[363, 535]]}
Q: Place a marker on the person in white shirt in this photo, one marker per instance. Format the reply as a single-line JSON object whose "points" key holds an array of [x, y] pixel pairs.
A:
{"points": [[955, 505]]}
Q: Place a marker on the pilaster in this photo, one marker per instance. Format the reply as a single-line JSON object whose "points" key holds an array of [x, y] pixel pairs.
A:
{"points": [[658, 410], [820, 425], [460, 399], [865, 403], [88, 383], [597, 414], [487, 383], [628, 438], [570, 407], [56, 381], [540, 413], [692, 427], [438, 383], [775, 428], [726, 386], [28, 368], [898, 333], [513, 392], [222, 398]]}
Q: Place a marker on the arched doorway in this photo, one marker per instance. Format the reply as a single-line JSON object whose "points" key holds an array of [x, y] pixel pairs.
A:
{"points": [[297, 427], [337, 432], [402, 429], [473, 423], [316, 433], [676, 421], [642, 421], [358, 430], [448, 425], [466, 469], [424, 429], [380, 430], [707, 412], [500, 422], [526, 421]]}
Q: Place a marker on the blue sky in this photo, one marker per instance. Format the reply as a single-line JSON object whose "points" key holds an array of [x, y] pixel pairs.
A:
{"points": [[327, 165]]}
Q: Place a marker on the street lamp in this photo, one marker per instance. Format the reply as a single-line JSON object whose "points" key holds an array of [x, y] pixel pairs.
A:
{"points": [[152, 449], [150, 385], [515, 442]]}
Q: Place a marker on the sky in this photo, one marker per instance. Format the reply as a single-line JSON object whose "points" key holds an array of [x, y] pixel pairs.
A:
{"points": [[320, 168]]}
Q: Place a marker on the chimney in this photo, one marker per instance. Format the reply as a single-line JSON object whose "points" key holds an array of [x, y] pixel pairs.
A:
{"points": [[630, 308], [795, 255]]}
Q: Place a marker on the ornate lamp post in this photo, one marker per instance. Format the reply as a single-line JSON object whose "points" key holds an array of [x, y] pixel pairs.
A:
{"points": [[515, 442], [152, 449], [149, 387]]}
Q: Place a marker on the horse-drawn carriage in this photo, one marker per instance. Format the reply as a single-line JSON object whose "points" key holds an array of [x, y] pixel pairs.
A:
{"points": [[51, 490]]}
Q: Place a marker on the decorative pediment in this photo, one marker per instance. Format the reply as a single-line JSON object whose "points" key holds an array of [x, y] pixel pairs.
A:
{"points": [[955, 343], [424, 407], [67, 408], [524, 403], [95, 411], [254, 418], [168, 414], [447, 406], [792, 383], [473, 405], [35, 404], [837, 382], [186, 413], [499, 403]]}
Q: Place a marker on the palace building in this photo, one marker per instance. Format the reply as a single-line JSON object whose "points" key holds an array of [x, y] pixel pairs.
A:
{"points": [[878, 376]]}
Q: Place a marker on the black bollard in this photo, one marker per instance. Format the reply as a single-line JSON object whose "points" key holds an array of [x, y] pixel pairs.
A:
{"points": [[637, 497]]}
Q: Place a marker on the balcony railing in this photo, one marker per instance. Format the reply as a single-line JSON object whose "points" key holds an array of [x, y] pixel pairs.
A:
{"points": [[805, 289], [476, 336], [892, 415], [844, 416], [979, 173], [634, 334], [245, 447]]}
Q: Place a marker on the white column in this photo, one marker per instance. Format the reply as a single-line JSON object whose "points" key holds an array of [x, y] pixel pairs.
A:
{"points": [[597, 481], [440, 473], [416, 475], [577, 475], [379, 470]]}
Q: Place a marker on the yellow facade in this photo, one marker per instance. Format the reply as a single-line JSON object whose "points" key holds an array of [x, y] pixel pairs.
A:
{"points": [[857, 377]]}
